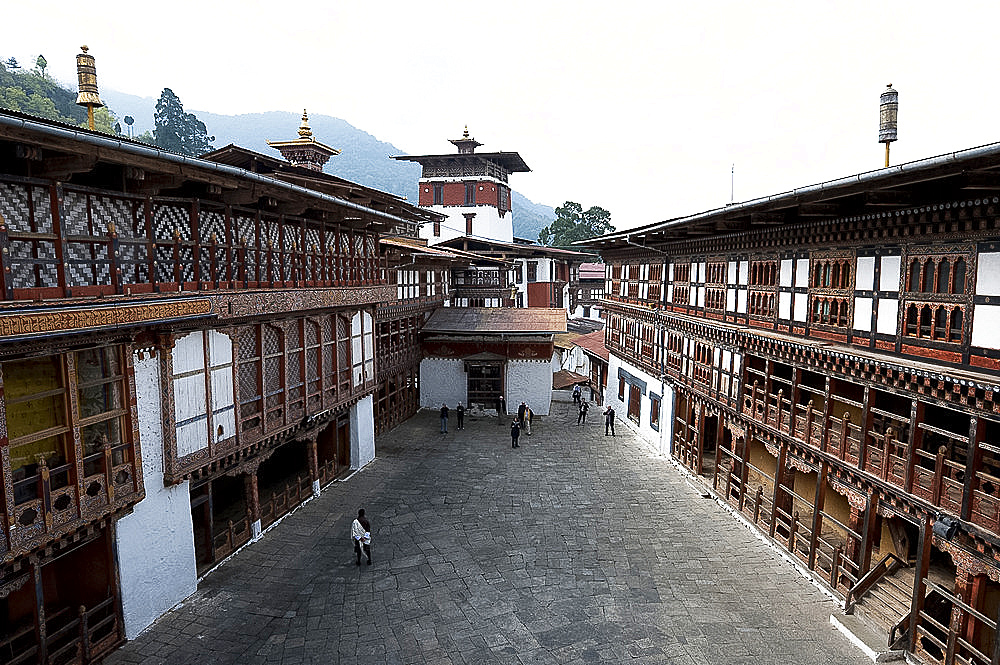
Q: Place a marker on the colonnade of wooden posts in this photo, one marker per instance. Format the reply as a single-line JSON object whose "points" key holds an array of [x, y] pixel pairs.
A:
{"points": [[732, 454]]}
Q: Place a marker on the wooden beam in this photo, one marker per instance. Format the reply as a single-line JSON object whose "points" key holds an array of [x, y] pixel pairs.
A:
{"points": [[766, 218], [241, 197], [888, 197], [819, 210], [59, 168], [155, 183], [292, 208], [989, 180]]}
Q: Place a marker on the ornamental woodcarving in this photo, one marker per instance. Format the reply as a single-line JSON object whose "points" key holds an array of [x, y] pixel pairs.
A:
{"points": [[51, 321]]}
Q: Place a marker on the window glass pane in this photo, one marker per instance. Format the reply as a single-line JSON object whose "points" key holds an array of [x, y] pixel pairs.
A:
{"points": [[35, 402], [99, 381], [97, 435]]}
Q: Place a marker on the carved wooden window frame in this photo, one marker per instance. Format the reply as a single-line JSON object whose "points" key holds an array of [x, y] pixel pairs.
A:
{"points": [[831, 290], [936, 296]]}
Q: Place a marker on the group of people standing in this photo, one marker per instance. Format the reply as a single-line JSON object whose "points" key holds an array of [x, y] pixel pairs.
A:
{"points": [[524, 415], [459, 412], [523, 421]]}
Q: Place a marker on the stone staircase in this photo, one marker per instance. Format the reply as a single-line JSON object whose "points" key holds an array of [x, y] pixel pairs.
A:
{"points": [[887, 601]]}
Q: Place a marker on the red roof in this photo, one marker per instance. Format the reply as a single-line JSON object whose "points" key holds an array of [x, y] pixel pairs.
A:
{"points": [[593, 343]]}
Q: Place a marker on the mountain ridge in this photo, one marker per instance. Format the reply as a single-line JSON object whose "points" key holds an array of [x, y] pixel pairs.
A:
{"points": [[364, 159]]}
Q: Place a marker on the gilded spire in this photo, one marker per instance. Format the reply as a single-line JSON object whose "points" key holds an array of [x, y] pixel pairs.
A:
{"points": [[305, 151], [304, 130]]}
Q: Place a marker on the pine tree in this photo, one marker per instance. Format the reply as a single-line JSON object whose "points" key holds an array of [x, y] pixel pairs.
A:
{"points": [[178, 131]]}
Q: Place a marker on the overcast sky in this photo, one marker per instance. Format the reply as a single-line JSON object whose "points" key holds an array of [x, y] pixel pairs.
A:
{"points": [[639, 107]]}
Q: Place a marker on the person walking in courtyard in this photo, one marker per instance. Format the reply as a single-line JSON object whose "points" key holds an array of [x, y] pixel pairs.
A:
{"points": [[361, 534], [444, 418], [581, 417], [520, 413], [515, 432], [576, 394], [460, 411], [527, 420], [609, 421]]}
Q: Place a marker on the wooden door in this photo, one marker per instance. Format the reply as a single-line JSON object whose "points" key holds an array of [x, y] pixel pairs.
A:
{"points": [[343, 444]]}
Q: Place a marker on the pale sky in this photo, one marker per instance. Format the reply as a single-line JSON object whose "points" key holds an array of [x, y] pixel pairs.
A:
{"points": [[636, 106]]}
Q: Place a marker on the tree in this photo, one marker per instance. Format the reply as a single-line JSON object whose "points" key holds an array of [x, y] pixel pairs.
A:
{"points": [[12, 63], [573, 223], [41, 63], [178, 131]]}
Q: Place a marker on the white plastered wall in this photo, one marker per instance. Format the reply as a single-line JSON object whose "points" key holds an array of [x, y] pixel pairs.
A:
{"points": [[487, 223], [659, 440], [362, 432], [529, 381], [155, 543], [443, 380]]}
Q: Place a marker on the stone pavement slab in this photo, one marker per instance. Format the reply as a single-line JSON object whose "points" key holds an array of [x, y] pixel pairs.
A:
{"points": [[575, 548]]}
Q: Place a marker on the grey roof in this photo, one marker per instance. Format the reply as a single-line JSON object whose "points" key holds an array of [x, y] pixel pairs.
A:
{"points": [[511, 321]]}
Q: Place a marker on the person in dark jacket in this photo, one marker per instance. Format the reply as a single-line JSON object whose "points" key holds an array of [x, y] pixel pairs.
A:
{"points": [[609, 421], [520, 413], [460, 411], [581, 417], [444, 418], [515, 432]]}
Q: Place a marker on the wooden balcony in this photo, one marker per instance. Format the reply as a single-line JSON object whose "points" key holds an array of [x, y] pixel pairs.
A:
{"points": [[62, 241], [53, 501], [934, 477]]}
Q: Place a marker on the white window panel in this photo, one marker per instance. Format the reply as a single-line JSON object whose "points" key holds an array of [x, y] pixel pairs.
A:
{"points": [[986, 326], [785, 273], [800, 307], [889, 277], [863, 314], [802, 273], [784, 305], [887, 311]]}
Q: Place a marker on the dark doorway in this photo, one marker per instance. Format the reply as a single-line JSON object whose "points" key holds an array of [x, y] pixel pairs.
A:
{"points": [[485, 383]]}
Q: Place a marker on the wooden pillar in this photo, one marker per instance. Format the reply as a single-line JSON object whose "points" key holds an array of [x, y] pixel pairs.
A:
{"points": [[924, 546], [252, 492], [36, 572], [700, 434], [818, 500], [779, 471], [312, 459], [959, 618], [972, 466], [744, 449], [865, 426], [870, 533], [916, 439]]}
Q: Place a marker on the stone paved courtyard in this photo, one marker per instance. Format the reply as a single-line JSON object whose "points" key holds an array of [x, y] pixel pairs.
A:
{"points": [[576, 548]]}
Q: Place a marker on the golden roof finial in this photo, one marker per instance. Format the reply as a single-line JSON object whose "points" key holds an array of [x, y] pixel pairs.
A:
{"points": [[304, 130], [465, 134]]}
